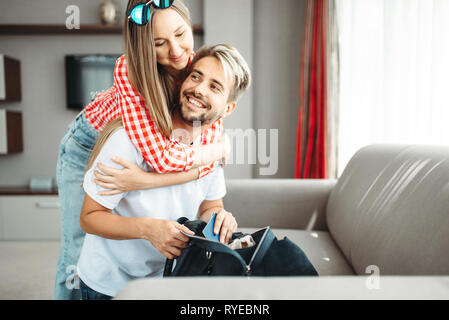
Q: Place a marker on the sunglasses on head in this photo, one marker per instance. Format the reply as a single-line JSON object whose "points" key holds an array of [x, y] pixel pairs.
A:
{"points": [[140, 13]]}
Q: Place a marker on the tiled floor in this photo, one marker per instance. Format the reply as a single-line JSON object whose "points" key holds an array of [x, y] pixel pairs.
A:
{"points": [[27, 269]]}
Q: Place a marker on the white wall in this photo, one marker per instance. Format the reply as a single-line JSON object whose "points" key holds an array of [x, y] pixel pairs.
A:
{"points": [[231, 22], [278, 31]]}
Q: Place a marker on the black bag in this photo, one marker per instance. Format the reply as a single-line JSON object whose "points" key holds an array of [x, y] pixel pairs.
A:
{"points": [[269, 257]]}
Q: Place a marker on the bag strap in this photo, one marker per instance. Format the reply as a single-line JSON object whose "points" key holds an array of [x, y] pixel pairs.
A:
{"points": [[169, 262], [168, 267], [182, 220]]}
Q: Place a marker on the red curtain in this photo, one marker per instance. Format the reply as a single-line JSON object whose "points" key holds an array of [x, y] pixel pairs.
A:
{"points": [[311, 134]]}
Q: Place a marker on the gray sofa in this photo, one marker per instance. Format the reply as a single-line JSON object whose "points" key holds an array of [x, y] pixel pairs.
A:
{"points": [[380, 232]]}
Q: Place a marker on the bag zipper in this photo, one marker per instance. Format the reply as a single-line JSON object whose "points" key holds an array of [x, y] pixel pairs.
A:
{"points": [[248, 266]]}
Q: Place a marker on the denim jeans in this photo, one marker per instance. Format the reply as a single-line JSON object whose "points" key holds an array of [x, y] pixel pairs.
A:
{"points": [[90, 294], [74, 153]]}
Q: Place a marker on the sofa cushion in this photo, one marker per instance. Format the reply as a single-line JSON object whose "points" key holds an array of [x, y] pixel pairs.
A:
{"points": [[390, 208], [319, 248]]}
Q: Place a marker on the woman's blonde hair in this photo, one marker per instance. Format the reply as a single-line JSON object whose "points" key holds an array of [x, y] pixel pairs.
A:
{"points": [[156, 85], [112, 127]]}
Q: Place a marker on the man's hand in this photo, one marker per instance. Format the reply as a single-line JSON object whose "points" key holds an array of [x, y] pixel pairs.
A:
{"points": [[166, 236], [225, 224]]}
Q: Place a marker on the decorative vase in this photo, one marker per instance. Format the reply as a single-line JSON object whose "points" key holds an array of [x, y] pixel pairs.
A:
{"points": [[109, 12]]}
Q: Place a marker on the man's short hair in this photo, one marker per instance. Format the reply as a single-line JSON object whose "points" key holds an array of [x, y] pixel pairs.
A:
{"points": [[233, 63]]}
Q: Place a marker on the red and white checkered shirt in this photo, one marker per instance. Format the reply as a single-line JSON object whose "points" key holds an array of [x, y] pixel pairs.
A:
{"points": [[162, 154]]}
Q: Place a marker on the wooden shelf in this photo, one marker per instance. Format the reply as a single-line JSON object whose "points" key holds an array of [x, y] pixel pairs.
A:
{"points": [[56, 29], [24, 191], [30, 29], [11, 132]]}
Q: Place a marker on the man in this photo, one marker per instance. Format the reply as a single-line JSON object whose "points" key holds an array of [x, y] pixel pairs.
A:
{"points": [[129, 235]]}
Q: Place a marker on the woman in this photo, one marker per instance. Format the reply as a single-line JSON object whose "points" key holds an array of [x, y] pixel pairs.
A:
{"points": [[158, 47]]}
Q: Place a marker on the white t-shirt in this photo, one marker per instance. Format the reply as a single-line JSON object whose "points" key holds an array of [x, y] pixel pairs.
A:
{"points": [[107, 265]]}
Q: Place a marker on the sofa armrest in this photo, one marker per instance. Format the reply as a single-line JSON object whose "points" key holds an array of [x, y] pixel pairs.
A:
{"points": [[279, 203]]}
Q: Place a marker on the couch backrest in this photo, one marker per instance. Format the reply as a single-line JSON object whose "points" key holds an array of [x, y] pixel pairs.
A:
{"points": [[390, 208]]}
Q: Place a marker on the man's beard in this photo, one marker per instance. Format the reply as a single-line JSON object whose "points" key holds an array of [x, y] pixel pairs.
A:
{"points": [[205, 118]]}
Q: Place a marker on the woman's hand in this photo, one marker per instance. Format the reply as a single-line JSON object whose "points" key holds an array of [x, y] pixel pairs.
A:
{"points": [[129, 178], [132, 178], [224, 139], [166, 236], [205, 154], [226, 224]]}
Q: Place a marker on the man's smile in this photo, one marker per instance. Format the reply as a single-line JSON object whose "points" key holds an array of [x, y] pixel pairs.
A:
{"points": [[195, 102]]}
